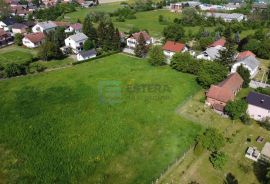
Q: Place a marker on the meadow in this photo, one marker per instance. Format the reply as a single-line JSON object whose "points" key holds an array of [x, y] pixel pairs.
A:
{"points": [[98, 122]]}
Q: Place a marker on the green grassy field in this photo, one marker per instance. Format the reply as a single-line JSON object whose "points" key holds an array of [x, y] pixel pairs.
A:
{"points": [[57, 128], [15, 56], [82, 12]]}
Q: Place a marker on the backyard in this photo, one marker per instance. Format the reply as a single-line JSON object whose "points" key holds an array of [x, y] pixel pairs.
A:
{"points": [[198, 168], [93, 123]]}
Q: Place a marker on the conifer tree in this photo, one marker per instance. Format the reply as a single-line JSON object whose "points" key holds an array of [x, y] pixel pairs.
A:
{"points": [[141, 49], [88, 29]]}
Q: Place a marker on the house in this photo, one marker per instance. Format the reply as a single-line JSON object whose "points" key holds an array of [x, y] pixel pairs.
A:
{"points": [[76, 41], [62, 24], [84, 55], [259, 7], [265, 153], [212, 52], [133, 39], [219, 95], [248, 60], [7, 23], [76, 28], [33, 40], [5, 38], [177, 7], [171, 47], [87, 4], [258, 106], [19, 28], [253, 153], [227, 17], [44, 27]]}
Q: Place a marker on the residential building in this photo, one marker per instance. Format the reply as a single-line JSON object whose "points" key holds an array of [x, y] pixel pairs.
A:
{"points": [[219, 95], [76, 41], [212, 52], [221, 42], [5, 38], [133, 39], [177, 7], [76, 28], [171, 47], [227, 17], [84, 55], [19, 28], [258, 106], [7, 23], [265, 153], [44, 27], [259, 7], [33, 40], [248, 60]]}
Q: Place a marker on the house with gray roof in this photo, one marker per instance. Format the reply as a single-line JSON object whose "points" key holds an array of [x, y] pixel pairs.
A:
{"points": [[211, 53], [75, 42], [250, 63], [258, 106], [44, 27], [84, 55], [227, 17]]}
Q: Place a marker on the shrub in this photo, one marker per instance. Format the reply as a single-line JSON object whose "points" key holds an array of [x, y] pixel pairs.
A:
{"points": [[14, 69], [37, 67], [156, 56], [245, 119], [218, 159], [236, 109]]}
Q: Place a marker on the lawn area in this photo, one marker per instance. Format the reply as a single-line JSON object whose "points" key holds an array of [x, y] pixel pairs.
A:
{"points": [[82, 12], [86, 124], [199, 169], [16, 56]]}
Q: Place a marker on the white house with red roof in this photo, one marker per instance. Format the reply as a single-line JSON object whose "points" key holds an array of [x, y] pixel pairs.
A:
{"points": [[133, 39], [33, 40], [248, 60], [77, 28], [170, 48], [212, 52]]}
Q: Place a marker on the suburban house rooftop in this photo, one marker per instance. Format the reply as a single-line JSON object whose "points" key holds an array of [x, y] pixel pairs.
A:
{"points": [[251, 62], [221, 42], [88, 53], [244, 54], [137, 35], [78, 37], [173, 46], [266, 149], [35, 37], [259, 100]]}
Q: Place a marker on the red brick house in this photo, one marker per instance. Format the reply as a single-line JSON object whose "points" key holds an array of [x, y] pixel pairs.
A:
{"points": [[218, 95]]}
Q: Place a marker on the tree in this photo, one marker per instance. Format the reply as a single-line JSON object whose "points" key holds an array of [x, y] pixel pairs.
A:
{"points": [[230, 179], [236, 109], [88, 29], [184, 62], [211, 73], [141, 49], [18, 39], [156, 56], [244, 73], [218, 159], [4, 9], [226, 56], [48, 50], [88, 45], [14, 69], [116, 41], [174, 32], [211, 139]]}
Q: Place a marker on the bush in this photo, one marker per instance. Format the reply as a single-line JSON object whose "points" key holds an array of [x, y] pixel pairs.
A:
{"points": [[218, 159], [245, 119], [14, 69], [37, 67], [236, 109], [156, 56], [184, 62]]}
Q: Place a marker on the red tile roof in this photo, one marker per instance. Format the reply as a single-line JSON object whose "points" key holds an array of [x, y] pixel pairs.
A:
{"points": [[245, 54], [35, 37], [137, 35], [76, 26], [2, 32], [225, 90], [220, 42], [61, 24], [173, 46]]}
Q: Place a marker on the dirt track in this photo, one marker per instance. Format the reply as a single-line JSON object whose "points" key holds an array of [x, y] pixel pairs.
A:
{"points": [[109, 1]]}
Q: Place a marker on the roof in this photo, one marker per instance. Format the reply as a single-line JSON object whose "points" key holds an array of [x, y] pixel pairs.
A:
{"points": [[232, 82], [213, 52], [173, 46], [259, 100], [78, 37], [19, 26], [9, 21], [2, 32], [266, 149], [47, 25], [88, 53], [220, 94], [221, 42], [137, 35], [61, 24], [35, 37], [225, 15], [251, 62], [244, 54], [76, 26]]}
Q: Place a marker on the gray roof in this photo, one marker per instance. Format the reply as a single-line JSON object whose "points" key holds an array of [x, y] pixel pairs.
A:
{"points": [[88, 53], [47, 25], [266, 149], [78, 37], [251, 62], [259, 100], [225, 15], [19, 26], [213, 52]]}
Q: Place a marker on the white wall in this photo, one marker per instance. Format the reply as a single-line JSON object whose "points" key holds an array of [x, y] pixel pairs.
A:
{"points": [[76, 46], [29, 44], [257, 113]]}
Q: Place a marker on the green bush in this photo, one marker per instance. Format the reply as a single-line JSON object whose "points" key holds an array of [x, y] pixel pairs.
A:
{"points": [[218, 159]]}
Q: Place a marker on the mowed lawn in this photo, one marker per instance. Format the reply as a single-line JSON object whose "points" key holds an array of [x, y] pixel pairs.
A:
{"points": [[93, 123]]}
